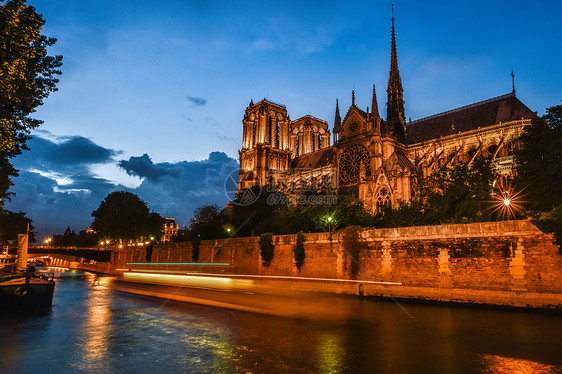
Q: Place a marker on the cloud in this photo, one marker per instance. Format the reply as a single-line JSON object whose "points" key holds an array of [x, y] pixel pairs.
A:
{"points": [[61, 182], [176, 189], [144, 168], [67, 152], [197, 100]]}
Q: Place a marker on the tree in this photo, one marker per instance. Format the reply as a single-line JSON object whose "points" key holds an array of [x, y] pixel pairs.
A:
{"points": [[71, 239], [539, 161], [458, 194], [345, 211], [6, 172], [267, 248], [27, 72], [255, 215], [298, 250], [123, 215], [208, 223], [12, 224], [27, 76]]}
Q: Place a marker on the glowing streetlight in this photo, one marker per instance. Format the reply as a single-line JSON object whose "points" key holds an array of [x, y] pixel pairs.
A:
{"points": [[507, 203], [330, 221]]}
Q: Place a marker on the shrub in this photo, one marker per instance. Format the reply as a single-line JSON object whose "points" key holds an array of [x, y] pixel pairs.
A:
{"points": [[195, 243], [266, 248], [149, 252], [298, 250]]}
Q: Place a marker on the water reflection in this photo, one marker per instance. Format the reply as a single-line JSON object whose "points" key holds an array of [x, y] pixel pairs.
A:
{"points": [[499, 365], [94, 329], [330, 354], [96, 325]]}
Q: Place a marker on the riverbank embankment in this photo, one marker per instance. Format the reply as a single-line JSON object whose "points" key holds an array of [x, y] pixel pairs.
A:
{"points": [[505, 264]]}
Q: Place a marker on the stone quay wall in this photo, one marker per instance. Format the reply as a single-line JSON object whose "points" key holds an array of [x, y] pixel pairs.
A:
{"points": [[503, 263]]}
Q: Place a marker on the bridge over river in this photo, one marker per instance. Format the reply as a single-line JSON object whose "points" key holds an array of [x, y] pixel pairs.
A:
{"points": [[91, 259]]}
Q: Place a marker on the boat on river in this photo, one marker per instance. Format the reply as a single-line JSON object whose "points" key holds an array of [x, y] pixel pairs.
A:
{"points": [[25, 291], [21, 288]]}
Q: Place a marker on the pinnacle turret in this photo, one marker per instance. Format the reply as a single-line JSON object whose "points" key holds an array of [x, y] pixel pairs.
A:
{"points": [[395, 117], [374, 105], [337, 119]]}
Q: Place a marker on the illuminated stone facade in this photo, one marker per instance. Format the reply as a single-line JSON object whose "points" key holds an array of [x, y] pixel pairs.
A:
{"points": [[376, 160]]}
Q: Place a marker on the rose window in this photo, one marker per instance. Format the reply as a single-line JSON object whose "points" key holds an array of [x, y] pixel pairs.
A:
{"points": [[350, 163]]}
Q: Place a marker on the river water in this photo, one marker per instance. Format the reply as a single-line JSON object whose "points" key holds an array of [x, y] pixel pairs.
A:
{"points": [[95, 329]]}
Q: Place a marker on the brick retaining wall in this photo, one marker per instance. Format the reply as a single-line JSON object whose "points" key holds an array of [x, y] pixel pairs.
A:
{"points": [[508, 256]]}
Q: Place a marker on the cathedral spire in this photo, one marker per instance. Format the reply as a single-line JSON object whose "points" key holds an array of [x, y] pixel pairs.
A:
{"points": [[512, 83], [393, 57], [395, 117], [337, 119], [374, 105], [352, 97]]}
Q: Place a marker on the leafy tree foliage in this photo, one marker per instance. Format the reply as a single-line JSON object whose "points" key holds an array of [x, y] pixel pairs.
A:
{"points": [[12, 224], [148, 252], [405, 214], [346, 211], [266, 248], [457, 194], [6, 172], [207, 223], [70, 239], [256, 215], [123, 215], [195, 244], [27, 76], [298, 250], [27, 72], [273, 212], [551, 222], [539, 161]]}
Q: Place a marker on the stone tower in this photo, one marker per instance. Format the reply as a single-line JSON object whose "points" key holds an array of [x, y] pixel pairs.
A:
{"points": [[265, 153]]}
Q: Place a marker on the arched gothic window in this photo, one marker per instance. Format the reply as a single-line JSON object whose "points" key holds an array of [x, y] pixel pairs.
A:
{"points": [[383, 199]]}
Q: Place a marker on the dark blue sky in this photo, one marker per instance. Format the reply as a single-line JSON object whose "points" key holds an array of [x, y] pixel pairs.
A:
{"points": [[172, 79]]}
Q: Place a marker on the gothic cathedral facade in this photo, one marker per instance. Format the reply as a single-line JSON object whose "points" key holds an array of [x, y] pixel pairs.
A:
{"points": [[374, 159]]}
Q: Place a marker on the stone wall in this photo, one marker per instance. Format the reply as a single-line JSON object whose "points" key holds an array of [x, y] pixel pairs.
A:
{"points": [[497, 256]]}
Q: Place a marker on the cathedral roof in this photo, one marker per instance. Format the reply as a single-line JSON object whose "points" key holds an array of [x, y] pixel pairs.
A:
{"points": [[267, 101], [470, 117], [398, 161], [320, 158], [312, 118], [355, 109]]}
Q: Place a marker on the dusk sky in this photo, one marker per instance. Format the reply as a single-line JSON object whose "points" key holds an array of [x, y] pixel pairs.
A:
{"points": [[152, 94]]}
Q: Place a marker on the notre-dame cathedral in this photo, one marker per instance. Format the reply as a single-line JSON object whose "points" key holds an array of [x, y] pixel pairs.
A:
{"points": [[373, 159]]}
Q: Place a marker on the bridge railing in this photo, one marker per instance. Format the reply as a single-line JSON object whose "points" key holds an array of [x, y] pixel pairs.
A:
{"points": [[96, 254]]}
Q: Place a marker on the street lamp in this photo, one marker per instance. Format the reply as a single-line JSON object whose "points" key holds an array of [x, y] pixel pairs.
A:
{"points": [[329, 220]]}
